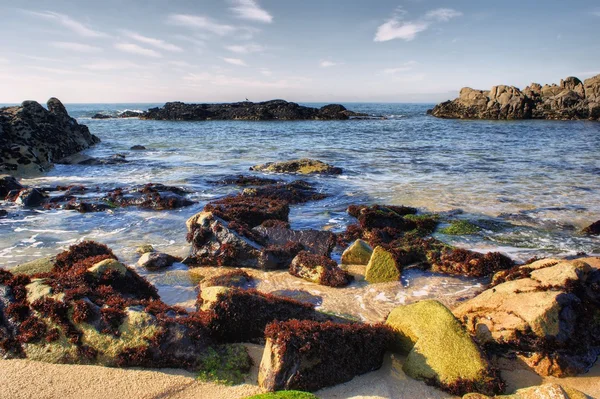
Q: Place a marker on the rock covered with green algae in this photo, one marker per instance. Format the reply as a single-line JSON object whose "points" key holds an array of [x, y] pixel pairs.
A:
{"points": [[439, 351], [546, 312], [92, 309], [358, 253], [546, 391], [459, 228], [382, 267], [284, 395], [319, 269], [302, 166], [41, 265]]}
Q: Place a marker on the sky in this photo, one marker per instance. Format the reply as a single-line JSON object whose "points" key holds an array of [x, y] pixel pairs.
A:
{"points": [[304, 51]]}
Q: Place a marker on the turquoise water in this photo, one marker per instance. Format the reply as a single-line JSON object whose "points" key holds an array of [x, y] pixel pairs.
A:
{"points": [[534, 183]]}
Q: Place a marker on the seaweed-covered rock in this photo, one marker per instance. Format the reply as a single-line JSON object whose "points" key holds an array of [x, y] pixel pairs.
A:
{"points": [[319, 269], [30, 197], [308, 356], [467, 263], [359, 253], [41, 265], [245, 181], [296, 192], [545, 391], [249, 211], [7, 184], [548, 313], [460, 227], [151, 196], [233, 279], [33, 138], [238, 315], [317, 242], [302, 166], [157, 260], [439, 351], [382, 267]]}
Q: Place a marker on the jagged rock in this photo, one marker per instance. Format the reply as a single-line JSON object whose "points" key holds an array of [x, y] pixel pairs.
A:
{"points": [[572, 99], [156, 260], [593, 229], [359, 253], [319, 269], [308, 356], [317, 242], [30, 197], [303, 166], [546, 391], [33, 138], [439, 351], [268, 110], [7, 184], [382, 267], [547, 312]]}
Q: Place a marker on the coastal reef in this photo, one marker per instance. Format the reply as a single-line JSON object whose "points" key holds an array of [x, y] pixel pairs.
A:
{"points": [[571, 99], [263, 111], [33, 138]]}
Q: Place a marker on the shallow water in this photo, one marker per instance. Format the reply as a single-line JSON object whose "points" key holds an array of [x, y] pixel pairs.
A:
{"points": [[534, 184]]}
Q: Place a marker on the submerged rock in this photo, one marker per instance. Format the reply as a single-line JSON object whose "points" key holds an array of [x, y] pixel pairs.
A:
{"points": [[33, 138], [296, 192], [243, 181], [572, 99], [81, 159], [151, 196], [359, 253], [439, 351], [319, 269], [157, 260], [316, 242], [308, 355], [303, 166], [102, 116], [137, 147], [547, 312], [460, 227], [268, 110]]}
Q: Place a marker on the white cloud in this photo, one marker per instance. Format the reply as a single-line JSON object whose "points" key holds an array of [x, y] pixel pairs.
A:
{"points": [[204, 78], [245, 48], [139, 50], [77, 47], [158, 43], [443, 14], [407, 66], [111, 65], [201, 22], [263, 71], [69, 23], [235, 61], [397, 28], [180, 64], [249, 9], [328, 64]]}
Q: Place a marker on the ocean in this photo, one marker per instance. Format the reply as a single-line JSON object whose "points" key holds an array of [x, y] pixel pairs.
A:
{"points": [[534, 184]]}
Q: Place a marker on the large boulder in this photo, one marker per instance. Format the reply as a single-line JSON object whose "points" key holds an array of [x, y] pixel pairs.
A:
{"points": [[308, 356], [382, 267], [359, 253], [439, 351], [546, 312], [319, 269], [571, 99], [302, 166], [32, 138]]}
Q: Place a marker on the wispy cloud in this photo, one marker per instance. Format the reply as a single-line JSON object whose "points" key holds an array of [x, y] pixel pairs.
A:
{"points": [[235, 81], [263, 71], [245, 48], [112, 65], [407, 66], [249, 9], [76, 47], [201, 22], [67, 22], [235, 61], [158, 43], [136, 49], [397, 28], [328, 64]]}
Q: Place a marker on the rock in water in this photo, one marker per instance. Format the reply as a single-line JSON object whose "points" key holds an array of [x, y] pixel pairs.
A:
{"points": [[308, 356], [157, 260], [593, 229], [359, 253], [382, 267], [439, 351], [300, 166], [268, 110], [319, 269], [546, 312], [8, 184], [33, 138], [572, 99]]}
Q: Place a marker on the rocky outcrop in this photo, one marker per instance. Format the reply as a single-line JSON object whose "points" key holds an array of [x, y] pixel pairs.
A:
{"points": [[359, 253], [572, 99], [546, 312], [299, 166], [268, 110], [319, 269], [32, 138]]}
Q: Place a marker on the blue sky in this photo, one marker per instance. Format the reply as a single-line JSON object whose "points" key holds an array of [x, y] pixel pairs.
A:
{"points": [[322, 50]]}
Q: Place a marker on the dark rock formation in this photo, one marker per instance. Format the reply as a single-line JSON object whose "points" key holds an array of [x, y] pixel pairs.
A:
{"points": [[572, 99], [130, 114], [234, 279], [138, 148], [268, 110], [33, 138], [8, 184], [151, 196], [308, 355], [303, 166], [317, 242], [102, 116], [157, 260], [243, 181], [593, 229], [81, 159]]}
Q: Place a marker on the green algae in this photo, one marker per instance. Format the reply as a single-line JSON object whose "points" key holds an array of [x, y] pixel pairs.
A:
{"points": [[227, 365], [359, 253], [460, 228], [382, 267]]}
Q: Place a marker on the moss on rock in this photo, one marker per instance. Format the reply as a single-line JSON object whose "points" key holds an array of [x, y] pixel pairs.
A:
{"points": [[358, 253], [460, 228], [42, 265], [382, 267], [226, 364], [439, 351]]}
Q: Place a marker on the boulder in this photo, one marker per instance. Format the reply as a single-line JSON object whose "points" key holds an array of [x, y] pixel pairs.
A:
{"points": [[319, 269], [382, 267], [439, 351], [546, 312], [31, 197], [153, 196], [7, 184], [142, 249], [303, 166], [593, 229], [41, 265], [317, 242], [157, 260], [308, 355], [359, 253], [233, 279], [33, 138]]}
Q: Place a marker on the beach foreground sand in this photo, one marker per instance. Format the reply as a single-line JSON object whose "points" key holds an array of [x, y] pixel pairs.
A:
{"points": [[25, 379]]}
